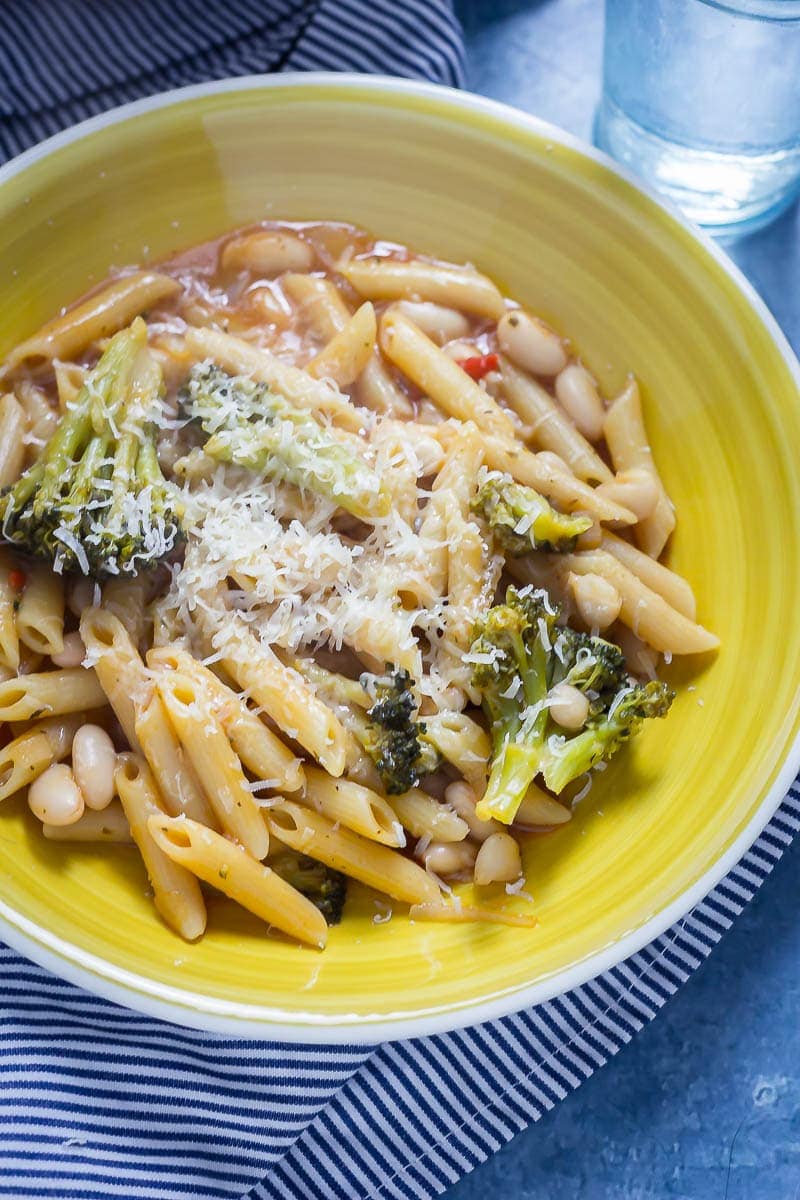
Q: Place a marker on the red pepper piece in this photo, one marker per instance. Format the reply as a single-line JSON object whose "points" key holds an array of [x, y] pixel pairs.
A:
{"points": [[17, 580], [479, 365]]}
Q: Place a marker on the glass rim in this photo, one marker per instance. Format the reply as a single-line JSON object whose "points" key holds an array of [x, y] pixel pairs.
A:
{"points": [[759, 10]]}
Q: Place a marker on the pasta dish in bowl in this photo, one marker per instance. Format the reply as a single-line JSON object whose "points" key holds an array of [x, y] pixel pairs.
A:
{"points": [[336, 614], [346, 611]]}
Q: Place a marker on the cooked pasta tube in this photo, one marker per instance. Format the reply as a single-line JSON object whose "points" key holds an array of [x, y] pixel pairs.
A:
{"points": [[28, 756], [176, 892], [261, 751], [231, 870], [346, 355], [117, 665], [214, 760], [551, 429], [630, 450], [126, 598], [70, 378], [561, 487], [377, 866], [50, 693], [286, 697], [23, 760], [466, 576], [440, 377], [108, 825], [424, 816], [463, 742], [454, 287], [644, 611], [241, 358], [42, 418], [179, 787], [357, 807], [101, 315], [673, 587], [9, 597], [13, 427], [40, 616]]}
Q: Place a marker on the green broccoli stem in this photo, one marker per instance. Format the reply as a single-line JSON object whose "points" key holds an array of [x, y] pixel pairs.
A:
{"points": [[514, 768], [579, 754], [306, 454]]}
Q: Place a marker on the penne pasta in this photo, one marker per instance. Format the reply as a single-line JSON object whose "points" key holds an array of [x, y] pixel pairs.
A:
{"points": [[231, 870], [214, 761], [349, 350], [440, 377], [454, 287], [357, 807], [643, 610], [261, 751], [178, 785], [13, 428], [108, 825], [29, 755], [9, 598], [108, 310], [630, 450], [463, 742], [425, 817], [551, 429], [674, 588], [50, 693], [176, 892], [40, 616], [377, 866], [117, 665], [287, 698]]}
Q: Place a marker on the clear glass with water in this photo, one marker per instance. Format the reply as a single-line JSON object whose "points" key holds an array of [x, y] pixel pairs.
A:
{"points": [[702, 99]]}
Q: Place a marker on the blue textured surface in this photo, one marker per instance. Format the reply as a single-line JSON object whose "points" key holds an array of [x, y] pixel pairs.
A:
{"points": [[705, 1103]]}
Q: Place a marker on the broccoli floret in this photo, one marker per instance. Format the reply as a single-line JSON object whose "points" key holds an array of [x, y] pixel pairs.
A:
{"points": [[323, 886], [255, 428], [521, 520], [95, 500], [511, 655], [519, 653], [381, 715], [591, 664], [604, 733]]}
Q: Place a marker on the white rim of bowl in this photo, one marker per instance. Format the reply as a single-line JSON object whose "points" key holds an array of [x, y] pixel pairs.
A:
{"points": [[186, 1008]]}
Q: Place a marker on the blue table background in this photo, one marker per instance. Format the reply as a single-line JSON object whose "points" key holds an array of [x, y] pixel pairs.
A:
{"points": [[705, 1103]]}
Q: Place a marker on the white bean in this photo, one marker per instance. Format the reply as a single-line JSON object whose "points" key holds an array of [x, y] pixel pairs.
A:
{"points": [[597, 600], [635, 489], [94, 760], [268, 253], [578, 396], [462, 798], [568, 707], [530, 344], [80, 596], [450, 858], [55, 797], [441, 324], [73, 652], [498, 860]]}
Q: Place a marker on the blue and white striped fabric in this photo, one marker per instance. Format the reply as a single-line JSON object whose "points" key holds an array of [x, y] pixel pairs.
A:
{"points": [[97, 1102]]}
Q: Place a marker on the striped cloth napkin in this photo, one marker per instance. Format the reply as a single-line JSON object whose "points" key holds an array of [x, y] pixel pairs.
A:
{"points": [[97, 1102]]}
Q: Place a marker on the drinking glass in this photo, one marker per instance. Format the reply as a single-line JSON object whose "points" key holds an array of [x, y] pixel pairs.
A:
{"points": [[702, 99]]}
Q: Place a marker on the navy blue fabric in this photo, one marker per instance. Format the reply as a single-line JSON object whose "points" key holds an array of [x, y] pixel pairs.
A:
{"points": [[98, 1102]]}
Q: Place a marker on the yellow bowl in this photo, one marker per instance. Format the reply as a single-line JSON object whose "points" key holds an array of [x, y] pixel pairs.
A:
{"points": [[637, 289]]}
